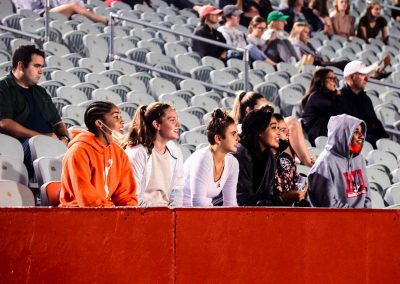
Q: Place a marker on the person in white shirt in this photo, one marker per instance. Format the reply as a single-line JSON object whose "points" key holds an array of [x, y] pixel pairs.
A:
{"points": [[156, 161], [232, 35], [211, 171]]}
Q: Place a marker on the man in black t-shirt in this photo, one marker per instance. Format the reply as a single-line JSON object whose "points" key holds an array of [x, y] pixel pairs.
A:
{"points": [[26, 110], [355, 101]]}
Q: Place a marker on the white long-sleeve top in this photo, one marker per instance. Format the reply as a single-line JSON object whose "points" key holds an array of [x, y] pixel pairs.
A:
{"points": [[141, 164], [199, 187]]}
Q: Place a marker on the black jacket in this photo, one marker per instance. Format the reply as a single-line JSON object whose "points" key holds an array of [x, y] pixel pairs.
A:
{"points": [[312, 19], [205, 49], [248, 192], [319, 107], [360, 106]]}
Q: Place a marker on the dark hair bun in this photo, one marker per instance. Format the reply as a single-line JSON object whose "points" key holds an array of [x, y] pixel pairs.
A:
{"points": [[218, 114]]}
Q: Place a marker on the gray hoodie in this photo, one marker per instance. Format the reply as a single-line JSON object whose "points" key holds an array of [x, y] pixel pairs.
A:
{"points": [[339, 179]]}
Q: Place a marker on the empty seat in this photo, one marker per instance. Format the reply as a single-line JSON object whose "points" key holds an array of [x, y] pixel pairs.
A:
{"points": [[47, 169], [13, 194], [13, 169], [106, 95], [392, 195], [384, 158], [159, 86], [193, 137], [11, 147], [46, 146], [93, 63], [68, 79], [139, 98], [213, 62], [99, 80]]}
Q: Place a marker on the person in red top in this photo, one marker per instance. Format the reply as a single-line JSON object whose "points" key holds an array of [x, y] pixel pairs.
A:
{"points": [[96, 171]]}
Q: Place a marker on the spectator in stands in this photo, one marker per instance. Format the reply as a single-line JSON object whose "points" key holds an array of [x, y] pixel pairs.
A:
{"points": [[321, 101], [248, 101], [257, 45], [277, 21], [233, 36], [298, 12], [26, 110], [278, 47], [285, 173], [338, 178], [211, 173], [256, 161], [342, 21], [396, 13], [356, 102], [65, 7], [250, 9], [372, 23], [299, 38], [209, 17], [156, 161], [96, 171], [320, 9]]}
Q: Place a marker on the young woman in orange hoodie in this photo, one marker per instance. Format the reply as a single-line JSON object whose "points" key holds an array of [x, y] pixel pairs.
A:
{"points": [[96, 171]]}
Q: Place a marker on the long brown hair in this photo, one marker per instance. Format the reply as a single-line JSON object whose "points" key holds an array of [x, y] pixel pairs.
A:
{"points": [[242, 101], [317, 84], [141, 130]]}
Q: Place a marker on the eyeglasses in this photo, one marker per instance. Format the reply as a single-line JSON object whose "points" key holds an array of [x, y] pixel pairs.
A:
{"points": [[334, 79]]}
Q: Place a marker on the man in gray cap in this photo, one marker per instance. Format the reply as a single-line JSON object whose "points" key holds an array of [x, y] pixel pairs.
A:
{"points": [[233, 36]]}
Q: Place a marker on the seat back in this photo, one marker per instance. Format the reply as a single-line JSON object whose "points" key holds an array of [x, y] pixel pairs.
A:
{"points": [[12, 169], [14, 194], [11, 147], [46, 146], [47, 169]]}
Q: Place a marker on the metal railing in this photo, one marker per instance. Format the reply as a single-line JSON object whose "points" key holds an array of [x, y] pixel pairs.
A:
{"points": [[212, 42], [8, 29]]}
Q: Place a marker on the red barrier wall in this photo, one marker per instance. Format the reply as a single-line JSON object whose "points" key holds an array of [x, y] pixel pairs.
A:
{"points": [[86, 245], [287, 246], [246, 245]]}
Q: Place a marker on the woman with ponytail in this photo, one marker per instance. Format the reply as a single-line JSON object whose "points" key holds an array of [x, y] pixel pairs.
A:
{"points": [[155, 159], [248, 101], [211, 173]]}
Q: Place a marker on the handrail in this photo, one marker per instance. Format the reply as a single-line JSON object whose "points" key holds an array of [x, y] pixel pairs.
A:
{"points": [[166, 72], [38, 37], [213, 42], [46, 20]]}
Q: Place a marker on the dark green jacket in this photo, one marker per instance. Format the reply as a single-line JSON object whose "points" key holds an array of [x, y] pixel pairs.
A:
{"points": [[13, 104]]}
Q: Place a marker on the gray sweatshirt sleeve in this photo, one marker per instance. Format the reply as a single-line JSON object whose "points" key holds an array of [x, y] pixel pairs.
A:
{"points": [[322, 192], [367, 203]]}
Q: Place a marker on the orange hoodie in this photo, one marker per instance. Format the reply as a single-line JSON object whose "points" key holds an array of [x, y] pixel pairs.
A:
{"points": [[95, 175]]}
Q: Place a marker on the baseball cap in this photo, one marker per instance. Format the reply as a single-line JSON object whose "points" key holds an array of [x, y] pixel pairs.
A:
{"points": [[231, 10], [357, 66], [276, 16], [208, 10]]}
